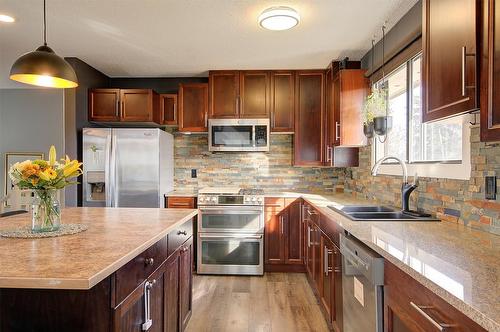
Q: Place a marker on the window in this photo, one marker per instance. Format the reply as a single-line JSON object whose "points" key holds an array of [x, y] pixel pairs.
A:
{"points": [[414, 141]]}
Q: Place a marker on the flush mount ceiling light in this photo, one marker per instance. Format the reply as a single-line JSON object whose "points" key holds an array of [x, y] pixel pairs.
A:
{"points": [[6, 18], [279, 18], [43, 67]]}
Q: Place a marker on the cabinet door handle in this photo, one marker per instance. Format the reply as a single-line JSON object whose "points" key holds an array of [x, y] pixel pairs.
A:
{"points": [[464, 71], [308, 236], [329, 154], [147, 305], [421, 310], [281, 223], [273, 120], [175, 112], [117, 107], [206, 119], [326, 267], [149, 261], [337, 131], [311, 213], [182, 233]]}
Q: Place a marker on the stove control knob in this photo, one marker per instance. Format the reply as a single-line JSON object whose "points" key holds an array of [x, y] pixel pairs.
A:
{"points": [[259, 199], [247, 199], [201, 199], [254, 199], [214, 199]]}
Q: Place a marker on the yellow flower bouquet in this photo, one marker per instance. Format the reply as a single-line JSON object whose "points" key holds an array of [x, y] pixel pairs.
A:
{"points": [[45, 178]]}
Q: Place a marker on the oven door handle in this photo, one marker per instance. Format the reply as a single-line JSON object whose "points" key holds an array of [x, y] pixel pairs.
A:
{"points": [[229, 211], [253, 237]]}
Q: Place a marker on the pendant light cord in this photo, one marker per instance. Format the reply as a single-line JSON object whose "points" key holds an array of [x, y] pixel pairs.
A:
{"points": [[44, 23]]}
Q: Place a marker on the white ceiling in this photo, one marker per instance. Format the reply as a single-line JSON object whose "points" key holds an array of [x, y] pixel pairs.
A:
{"points": [[189, 37]]}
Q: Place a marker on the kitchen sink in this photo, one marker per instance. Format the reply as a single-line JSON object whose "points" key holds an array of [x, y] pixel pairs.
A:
{"points": [[366, 208], [378, 213]]}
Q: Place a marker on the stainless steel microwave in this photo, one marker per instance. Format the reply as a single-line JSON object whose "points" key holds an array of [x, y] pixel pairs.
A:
{"points": [[238, 135]]}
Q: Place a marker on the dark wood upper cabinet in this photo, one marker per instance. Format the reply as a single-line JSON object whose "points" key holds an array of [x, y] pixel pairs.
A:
{"points": [[224, 87], [449, 82], [124, 105], [490, 71], [255, 90], [138, 104], [282, 101], [168, 109], [104, 105], [309, 114], [193, 107]]}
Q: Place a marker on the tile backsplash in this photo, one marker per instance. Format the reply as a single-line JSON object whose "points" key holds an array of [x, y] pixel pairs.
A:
{"points": [[270, 171], [460, 201]]}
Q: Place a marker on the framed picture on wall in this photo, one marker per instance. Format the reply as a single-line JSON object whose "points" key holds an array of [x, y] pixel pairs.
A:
{"points": [[10, 159]]}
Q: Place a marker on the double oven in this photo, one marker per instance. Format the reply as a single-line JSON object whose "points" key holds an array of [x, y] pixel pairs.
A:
{"points": [[230, 234]]}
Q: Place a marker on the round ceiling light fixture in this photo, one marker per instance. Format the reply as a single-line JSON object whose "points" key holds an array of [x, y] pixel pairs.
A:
{"points": [[7, 18], [279, 18], [43, 67]]}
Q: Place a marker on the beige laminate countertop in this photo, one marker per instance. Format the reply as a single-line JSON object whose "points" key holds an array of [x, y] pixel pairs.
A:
{"points": [[80, 261], [459, 264]]}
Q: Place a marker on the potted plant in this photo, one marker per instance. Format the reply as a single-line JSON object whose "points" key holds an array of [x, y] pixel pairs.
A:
{"points": [[374, 107], [45, 178]]}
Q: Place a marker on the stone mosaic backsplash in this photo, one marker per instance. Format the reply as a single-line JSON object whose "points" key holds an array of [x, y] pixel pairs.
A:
{"points": [[452, 200], [272, 171]]}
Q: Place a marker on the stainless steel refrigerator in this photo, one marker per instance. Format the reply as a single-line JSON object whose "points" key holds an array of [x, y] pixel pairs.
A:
{"points": [[127, 167]]}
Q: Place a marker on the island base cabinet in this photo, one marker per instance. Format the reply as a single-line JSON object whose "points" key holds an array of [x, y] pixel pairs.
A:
{"points": [[185, 283], [143, 308], [45, 310], [159, 300]]}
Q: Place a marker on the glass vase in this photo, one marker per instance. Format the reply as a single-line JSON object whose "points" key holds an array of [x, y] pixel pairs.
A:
{"points": [[45, 211]]}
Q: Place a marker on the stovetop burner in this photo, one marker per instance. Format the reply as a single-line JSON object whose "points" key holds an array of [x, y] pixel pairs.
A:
{"points": [[251, 191]]}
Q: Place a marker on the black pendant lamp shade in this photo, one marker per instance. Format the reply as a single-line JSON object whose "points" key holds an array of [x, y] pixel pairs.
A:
{"points": [[43, 67]]}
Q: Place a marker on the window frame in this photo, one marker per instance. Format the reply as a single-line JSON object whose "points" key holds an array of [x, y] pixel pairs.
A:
{"points": [[451, 169]]}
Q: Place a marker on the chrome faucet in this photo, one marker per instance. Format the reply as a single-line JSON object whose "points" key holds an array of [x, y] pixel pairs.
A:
{"points": [[406, 188]]}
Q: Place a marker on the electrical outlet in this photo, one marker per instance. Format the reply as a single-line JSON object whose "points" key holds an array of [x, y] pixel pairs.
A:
{"points": [[193, 174], [490, 185]]}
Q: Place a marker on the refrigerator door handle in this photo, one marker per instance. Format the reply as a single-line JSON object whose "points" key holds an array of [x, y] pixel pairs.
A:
{"points": [[107, 170], [112, 171]]}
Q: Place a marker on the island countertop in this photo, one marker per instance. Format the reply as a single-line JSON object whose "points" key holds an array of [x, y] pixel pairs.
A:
{"points": [[80, 261]]}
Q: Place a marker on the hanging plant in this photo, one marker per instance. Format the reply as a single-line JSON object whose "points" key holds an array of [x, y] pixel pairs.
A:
{"points": [[375, 105]]}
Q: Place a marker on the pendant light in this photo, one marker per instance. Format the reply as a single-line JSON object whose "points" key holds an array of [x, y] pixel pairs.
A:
{"points": [[43, 67]]}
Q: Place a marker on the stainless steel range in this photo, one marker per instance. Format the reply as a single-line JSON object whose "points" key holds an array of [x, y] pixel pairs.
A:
{"points": [[231, 231]]}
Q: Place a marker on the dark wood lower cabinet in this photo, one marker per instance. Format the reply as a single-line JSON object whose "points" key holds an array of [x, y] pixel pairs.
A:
{"points": [[166, 293], [283, 238], [410, 307]]}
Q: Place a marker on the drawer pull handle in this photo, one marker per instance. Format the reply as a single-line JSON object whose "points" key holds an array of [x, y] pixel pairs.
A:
{"points": [[149, 261], [184, 249], [421, 310], [182, 233]]}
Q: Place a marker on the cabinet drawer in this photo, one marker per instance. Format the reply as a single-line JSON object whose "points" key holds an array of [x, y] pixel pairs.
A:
{"points": [[276, 203], [181, 202], [179, 235], [132, 274], [419, 307]]}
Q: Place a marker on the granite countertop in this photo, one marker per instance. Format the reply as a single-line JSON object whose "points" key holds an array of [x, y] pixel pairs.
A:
{"points": [[80, 261], [459, 264], [182, 193]]}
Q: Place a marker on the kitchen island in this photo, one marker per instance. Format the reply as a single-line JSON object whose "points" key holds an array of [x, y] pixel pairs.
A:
{"points": [[104, 279]]}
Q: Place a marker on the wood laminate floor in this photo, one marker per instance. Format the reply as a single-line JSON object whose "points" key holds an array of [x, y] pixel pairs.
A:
{"points": [[275, 302]]}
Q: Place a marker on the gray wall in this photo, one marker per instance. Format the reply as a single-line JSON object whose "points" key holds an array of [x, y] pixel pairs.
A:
{"points": [[405, 31], [31, 120]]}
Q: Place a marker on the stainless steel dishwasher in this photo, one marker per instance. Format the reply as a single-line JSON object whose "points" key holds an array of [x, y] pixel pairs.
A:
{"points": [[362, 286]]}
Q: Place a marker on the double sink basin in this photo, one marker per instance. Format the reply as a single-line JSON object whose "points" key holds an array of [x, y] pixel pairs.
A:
{"points": [[378, 213]]}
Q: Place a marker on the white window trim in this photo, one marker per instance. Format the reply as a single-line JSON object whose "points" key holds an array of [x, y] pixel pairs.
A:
{"points": [[458, 171]]}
